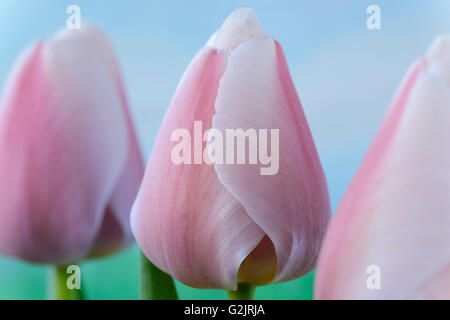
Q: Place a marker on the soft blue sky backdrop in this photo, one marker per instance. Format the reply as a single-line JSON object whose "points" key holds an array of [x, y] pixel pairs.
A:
{"points": [[345, 74]]}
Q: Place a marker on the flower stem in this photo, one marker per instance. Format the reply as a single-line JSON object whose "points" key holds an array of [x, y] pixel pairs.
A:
{"points": [[60, 286], [156, 284], [244, 292]]}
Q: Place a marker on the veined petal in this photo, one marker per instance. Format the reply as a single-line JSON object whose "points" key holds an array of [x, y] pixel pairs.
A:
{"points": [[183, 219], [291, 203], [63, 146], [216, 226], [395, 214]]}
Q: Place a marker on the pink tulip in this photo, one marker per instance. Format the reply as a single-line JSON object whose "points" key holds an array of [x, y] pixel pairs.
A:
{"points": [[390, 236], [214, 226], [69, 160]]}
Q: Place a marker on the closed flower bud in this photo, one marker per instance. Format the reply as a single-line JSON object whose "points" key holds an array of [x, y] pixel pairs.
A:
{"points": [[69, 160], [211, 223]]}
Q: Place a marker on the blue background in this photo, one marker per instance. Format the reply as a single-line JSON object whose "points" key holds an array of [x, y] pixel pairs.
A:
{"points": [[345, 75]]}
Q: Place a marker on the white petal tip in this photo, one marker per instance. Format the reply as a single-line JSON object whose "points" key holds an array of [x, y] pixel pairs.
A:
{"points": [[240, 26], [88, 39], [440, 49]]}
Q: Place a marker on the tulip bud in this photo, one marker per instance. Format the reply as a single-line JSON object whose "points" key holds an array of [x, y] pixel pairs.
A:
{"points": [[212, 224], [390, 236], [69, 160]]}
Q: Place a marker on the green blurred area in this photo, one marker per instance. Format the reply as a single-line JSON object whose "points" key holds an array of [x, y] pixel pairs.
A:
{"points": [[117, 277]]}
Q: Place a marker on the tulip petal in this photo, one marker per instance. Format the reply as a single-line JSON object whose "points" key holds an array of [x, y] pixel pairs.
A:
{"points": [[183, 219], [217, 226], [115, 232], [436, 288], [395, 213], [290, 206], [63, 146]]}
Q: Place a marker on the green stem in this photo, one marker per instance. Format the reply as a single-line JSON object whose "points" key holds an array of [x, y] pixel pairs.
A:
{"points": [[59, 285], [244, 292], [156, 284]]}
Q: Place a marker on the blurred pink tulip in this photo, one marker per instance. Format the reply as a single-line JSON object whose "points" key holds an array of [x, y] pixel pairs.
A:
{"points": [[69, 160], [214, 226], [390, 236]]}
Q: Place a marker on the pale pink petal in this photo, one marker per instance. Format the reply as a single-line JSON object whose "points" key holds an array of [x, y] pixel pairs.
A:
{"points": [[216, 226], [290, 206], [115, 232], [184, 220], [395, 214], [63, 147], [437, 287]]}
